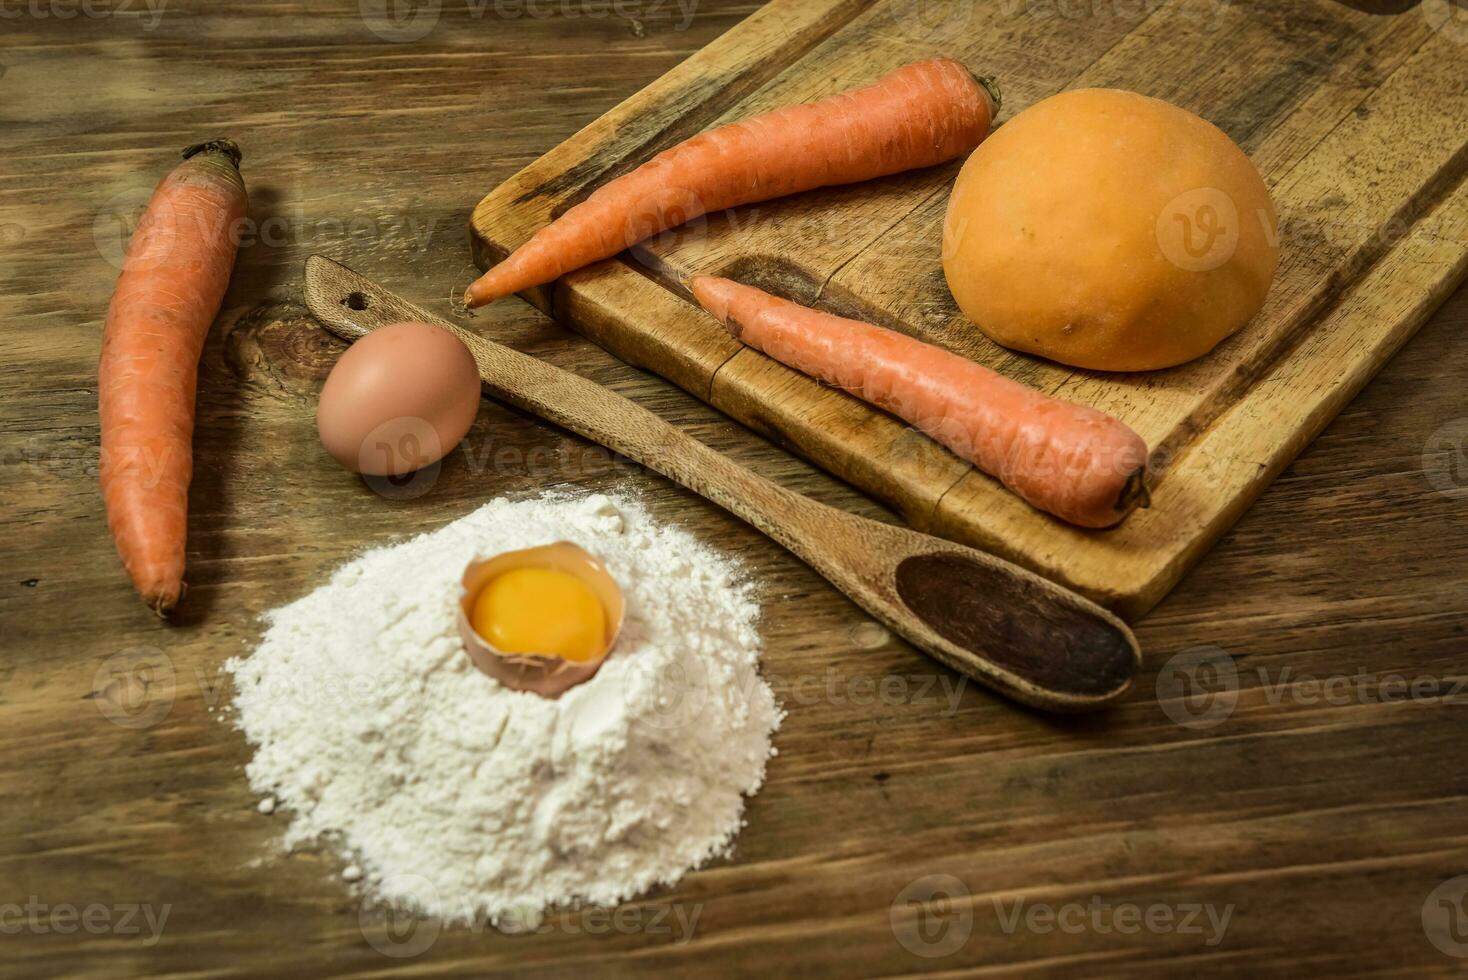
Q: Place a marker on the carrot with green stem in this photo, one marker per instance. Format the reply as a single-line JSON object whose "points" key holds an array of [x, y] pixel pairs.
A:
{"points": [[1069, 460], [920, 115], [174, 275]]}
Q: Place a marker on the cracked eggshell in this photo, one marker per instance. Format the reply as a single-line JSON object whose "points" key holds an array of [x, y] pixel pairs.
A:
{"points": [[547, 676]]}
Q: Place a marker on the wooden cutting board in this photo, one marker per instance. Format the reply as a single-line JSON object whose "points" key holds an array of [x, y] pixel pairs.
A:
{"points": [[1355, 113]]}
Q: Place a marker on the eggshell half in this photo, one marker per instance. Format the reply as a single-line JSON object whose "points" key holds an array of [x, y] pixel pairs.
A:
{"points": [[549, 677]]}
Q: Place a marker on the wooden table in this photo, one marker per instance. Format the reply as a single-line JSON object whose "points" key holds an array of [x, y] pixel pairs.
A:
{"points": [[1314, 798]]}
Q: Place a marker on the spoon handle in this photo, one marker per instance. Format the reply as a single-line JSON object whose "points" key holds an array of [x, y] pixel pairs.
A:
{"points": [[1005, 627]]}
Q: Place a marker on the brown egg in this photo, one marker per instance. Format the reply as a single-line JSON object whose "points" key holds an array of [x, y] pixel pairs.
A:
{"points": [[399, 399]]}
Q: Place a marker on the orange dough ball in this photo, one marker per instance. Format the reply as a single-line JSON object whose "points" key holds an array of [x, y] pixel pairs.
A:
{"points": [[1108, 230]]}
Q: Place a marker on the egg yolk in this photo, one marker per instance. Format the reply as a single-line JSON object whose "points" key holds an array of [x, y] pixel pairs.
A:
{"points": [[541, 611]]}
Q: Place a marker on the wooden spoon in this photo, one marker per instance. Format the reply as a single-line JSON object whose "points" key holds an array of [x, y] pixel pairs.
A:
{"points": [[1007, 628]]}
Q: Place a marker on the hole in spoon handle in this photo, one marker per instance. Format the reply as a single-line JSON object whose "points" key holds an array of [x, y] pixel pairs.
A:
{"points": [[1025, 626]]}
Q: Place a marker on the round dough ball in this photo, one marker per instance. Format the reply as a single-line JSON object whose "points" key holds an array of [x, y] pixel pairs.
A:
{"points": [[1107, 230]]}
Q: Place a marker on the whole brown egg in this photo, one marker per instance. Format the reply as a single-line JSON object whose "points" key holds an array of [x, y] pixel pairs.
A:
{"points": [[398, 400]]}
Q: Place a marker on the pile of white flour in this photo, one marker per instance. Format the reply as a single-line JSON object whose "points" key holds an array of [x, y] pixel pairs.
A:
{"points": [[463, 799]]}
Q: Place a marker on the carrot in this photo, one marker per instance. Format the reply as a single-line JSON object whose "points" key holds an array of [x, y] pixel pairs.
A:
{"points": [[173, 279], [1069, 460], [917, 116]]}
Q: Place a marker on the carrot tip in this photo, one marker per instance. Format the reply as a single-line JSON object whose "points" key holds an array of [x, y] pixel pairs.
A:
{"points": [[1134, 492], [163, 602], [990, 84], [219, 144]]}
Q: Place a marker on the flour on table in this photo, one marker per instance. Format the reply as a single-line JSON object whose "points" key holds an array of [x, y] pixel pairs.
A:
{"points": [[463, 799]]}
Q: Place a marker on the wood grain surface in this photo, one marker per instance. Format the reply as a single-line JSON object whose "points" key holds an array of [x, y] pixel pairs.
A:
{"points": [[1367, 175], [1317, 800]]}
